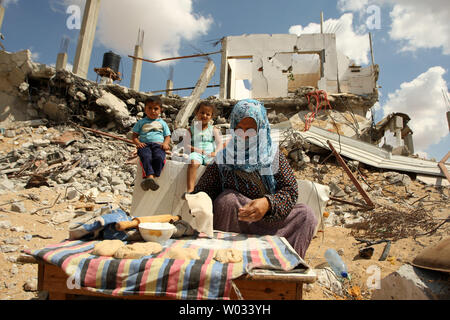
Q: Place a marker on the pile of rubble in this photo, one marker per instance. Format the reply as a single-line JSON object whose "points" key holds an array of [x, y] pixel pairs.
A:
{"points": [[65, 157]]}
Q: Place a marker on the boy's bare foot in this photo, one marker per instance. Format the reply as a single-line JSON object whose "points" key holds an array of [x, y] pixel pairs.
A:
{"points": [[149, 183]]}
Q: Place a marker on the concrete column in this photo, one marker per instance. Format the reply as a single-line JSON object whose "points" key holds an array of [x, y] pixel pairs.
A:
{"points": [[223, 71], [188, 107], [2, 15], [135, 82], [169, 87], [86, 38], [61, 61]]}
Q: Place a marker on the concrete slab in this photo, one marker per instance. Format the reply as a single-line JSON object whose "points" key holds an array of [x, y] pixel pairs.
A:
{"points": [[411, 283]]}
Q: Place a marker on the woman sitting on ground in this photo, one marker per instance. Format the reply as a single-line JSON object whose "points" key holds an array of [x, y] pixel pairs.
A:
{"points": [[253, 188]]}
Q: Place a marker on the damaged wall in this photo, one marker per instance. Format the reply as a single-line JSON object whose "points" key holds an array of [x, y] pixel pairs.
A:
{"points": [[276, 65], [36, 91]]}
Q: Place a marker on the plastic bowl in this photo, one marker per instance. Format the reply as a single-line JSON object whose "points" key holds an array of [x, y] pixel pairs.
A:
{"points": [[156, 231]]}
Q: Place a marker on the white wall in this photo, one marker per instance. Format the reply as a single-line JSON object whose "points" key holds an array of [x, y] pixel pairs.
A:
{"points": [[264, 59]]}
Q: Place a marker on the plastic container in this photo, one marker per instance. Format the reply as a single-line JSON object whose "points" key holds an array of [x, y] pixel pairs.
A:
{"points": [[111, 60], [336, 263]]}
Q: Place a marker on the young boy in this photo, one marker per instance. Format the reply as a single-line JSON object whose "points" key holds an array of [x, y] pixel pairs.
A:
{"points": [[205, 142], [151, 135]]}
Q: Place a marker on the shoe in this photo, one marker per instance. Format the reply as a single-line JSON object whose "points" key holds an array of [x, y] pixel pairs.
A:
{"points": [[149, 183]]}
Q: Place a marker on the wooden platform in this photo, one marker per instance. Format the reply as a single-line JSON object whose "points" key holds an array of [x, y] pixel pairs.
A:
{"points": [[262, 285]]}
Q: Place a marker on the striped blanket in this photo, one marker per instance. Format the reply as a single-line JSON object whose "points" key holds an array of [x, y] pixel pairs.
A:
{"points": [[205, 278]]}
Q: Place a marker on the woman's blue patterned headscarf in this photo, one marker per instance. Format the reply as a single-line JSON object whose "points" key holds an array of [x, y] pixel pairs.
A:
{"points": [[257, 152]]}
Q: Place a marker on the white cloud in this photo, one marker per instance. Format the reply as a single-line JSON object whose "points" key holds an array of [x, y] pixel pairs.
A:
{"points": [[165, 23], [6, 3], [423, 101], [421, 24], [352, 5], [416, 24], [353, 44]]}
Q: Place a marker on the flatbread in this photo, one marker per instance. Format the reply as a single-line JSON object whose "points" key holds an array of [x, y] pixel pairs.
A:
{"points": [[138, 250], [181, 254], [228, 256], [107, 247]]}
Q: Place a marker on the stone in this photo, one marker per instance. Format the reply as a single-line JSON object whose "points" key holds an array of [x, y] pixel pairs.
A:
{"points": [[62, 217], [31, 285], [18, 207], [17, 229], [332, 220], [80, 96], [5, 224], [7, 248], [131, 101], [327, 278], [412, 283], [72, 193], [115, 180], [397, 178], [336, 191], [41, 143], [67, 176], [281, 117], [316, 159], [13, 241], [10, 133], [116, 106], [14, 269], [23, 87]]}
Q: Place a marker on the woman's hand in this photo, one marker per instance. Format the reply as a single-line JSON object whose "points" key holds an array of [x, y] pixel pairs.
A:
{"points": [[254, 210]]}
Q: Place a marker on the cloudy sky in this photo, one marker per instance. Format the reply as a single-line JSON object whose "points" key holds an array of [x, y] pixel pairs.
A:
{"points": [[411, 41]]}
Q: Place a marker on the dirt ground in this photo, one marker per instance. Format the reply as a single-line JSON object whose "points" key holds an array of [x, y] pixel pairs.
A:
{"points": [[33, 231]]}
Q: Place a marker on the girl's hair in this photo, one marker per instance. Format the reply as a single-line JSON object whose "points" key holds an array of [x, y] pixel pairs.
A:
{"points": [[206, 104]]}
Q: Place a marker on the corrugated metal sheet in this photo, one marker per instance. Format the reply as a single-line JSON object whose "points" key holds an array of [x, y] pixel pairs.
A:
{"points": [[365, 152]]}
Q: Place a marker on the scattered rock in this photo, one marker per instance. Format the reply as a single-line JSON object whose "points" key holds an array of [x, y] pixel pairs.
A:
{"points": [[5, 224], [327, 278], [31, 285], [8, 248], [18, 207], [336, 191], [397, 178], [61, 217]]}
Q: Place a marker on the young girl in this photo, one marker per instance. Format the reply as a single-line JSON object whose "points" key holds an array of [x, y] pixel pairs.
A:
{"points": [[205, 142]]}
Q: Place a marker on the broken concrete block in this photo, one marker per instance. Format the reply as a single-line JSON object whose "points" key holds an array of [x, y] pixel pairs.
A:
{"points": [[62, 217], [18, 207], [10, 133], [316, 159], [336, 191], [23, 87], [80, 96], [398, 178], [411, 283], [72, 193]]}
